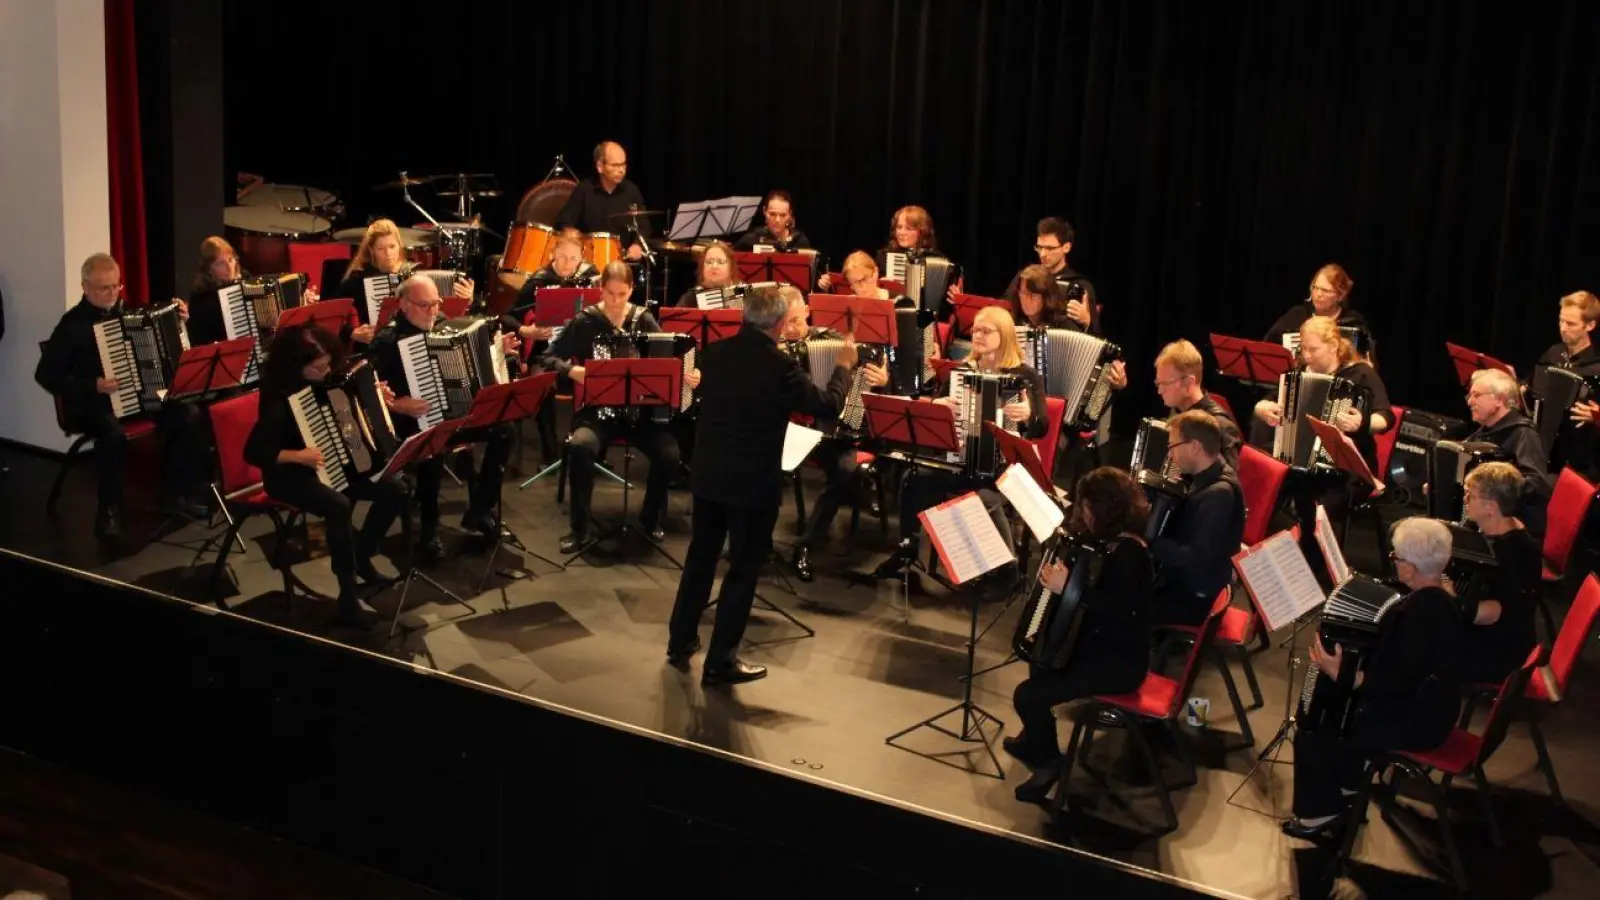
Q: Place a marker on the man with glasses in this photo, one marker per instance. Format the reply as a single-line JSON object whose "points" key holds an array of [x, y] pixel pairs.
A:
{"points": [[1178, 370], [1492, 396], [419, 314], [1053, 243], [69, 368], [599, 203], [1194, 559]]}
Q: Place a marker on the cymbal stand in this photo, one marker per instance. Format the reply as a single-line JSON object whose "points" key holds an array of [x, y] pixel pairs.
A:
{"points": [[405, 191]]}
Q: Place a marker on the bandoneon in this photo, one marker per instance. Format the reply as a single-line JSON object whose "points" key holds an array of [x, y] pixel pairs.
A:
{"points": [[449, 365], [348, 423], [1302, 394], [1075, 366], [1350, 618], [911, 359], [818, 356], [140, 350], [1472, 564], [1448, 465], [1048, 633], [981, 397], [1158, 474], [650, 345], [1556, 389], [928, 281]]}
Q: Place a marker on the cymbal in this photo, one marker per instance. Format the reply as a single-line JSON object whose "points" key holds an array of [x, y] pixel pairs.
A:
{"points": [[455, 175], [628, 214], [488, 193], [403, 182]]}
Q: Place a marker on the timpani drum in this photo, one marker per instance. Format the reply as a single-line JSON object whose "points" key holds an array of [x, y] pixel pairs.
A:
{"points": [[600, 248], [295, 198], [262, 235]]}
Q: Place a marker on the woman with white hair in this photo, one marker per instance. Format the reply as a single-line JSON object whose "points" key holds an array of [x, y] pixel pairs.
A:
{"points": [[1407, 689]]}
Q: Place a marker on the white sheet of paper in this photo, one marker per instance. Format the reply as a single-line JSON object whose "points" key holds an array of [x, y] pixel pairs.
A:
{"points": [[972, 545], [1281, 581], [1030, 501], [798, 442], [1338, 567]]}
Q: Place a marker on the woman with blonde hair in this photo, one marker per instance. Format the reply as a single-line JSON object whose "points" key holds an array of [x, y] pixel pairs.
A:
{"points": [[382, 252]]}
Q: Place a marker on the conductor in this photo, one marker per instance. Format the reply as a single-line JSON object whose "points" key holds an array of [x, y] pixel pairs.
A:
{"points": [[738, 479]]}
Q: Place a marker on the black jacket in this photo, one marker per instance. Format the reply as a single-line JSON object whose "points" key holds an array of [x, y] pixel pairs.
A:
{"points": [[591, 209], [275, 428], [748, 390], [1412, 689], [1519, 440], [1232, 437], [1113, 634], [70, 363], [797, 240], [1574, 446], [1196, 555], [1494, 650], [1297, 315]]}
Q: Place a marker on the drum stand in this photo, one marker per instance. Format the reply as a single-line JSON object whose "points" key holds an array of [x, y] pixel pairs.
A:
{"points": [[1291, 713]]}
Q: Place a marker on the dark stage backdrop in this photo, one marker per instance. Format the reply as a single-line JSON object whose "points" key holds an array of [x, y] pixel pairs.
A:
{"points": [[1211, 156]]}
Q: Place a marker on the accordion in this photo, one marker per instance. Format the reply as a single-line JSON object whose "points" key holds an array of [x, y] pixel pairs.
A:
{"points": [[1051, 626], [449, 365], [140, 350], [1303, 394], [911, 358], [1448, 465], [729, 297], [1359, 338], [348, 423], [1158, 475], [1350, 618], [928, 281], [817, 356], [1555, 389], [1075, 366], [981, 397], [377, 288], [649, 345], [1470, 572]]}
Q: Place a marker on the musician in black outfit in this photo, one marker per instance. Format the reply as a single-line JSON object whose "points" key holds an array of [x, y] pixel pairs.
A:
{"points": [[1076, 293], [1179, 368], [1112, 655], [300, 356], [1195, 555], [381, 252], [1499, 616], [1330, 297], [1407, 691], [714, 271], [69, 368], [567, 269], [780, 232], [745, 404], [595, 429], [1492, 396], [419, 314], [599, 203], [1576, 446]]}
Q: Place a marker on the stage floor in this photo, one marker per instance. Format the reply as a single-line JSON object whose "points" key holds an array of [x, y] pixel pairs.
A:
{"points": [[593, 637]]}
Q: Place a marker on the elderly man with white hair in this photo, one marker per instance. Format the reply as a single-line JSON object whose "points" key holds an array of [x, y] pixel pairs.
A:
{"points": [[1493, 396], [1407, 686]]}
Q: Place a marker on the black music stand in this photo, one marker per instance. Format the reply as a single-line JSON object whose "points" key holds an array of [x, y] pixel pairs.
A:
{"points": [[419, 448], [784, 268], [869, 319], [629, 385], [918, 425], [1252, 362], [504, 404]]}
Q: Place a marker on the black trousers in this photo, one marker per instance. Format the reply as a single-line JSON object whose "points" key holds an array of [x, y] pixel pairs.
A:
{"points": [[185, 462], [1037, 697], [750, 533], [483, 488], [592, 437], [1173, 605], [298, 486], [924, 487], [837, 459], [1325, 762]]}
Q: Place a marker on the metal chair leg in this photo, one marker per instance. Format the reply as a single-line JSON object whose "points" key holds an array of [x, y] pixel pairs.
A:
{"points": [[1546, 765], [1149, 756], [1486, 798], [1256, 701], [1441, 806], [61, 474]]}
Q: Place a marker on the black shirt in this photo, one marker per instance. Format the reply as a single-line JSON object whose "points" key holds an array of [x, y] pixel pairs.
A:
{"points": [[1196, 555], [275, 429], [763, 235], [1365, 376], [385, 357], [69, 366], [1494, 650], [1115, 606], [1413, 675], [1516, 437], [1232, 437], [591, 209], [1067, 278], [1297, 315]]}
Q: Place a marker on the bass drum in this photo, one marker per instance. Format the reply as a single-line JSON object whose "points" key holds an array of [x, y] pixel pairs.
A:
{"points": [[543, 202]]}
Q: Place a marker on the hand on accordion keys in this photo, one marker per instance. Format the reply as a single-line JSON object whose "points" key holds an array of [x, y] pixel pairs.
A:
{"points": [[1585, 412], [1019, 410], [310, 457], [106, 385], [1270, 412], [1054, 576], [1349, 421], [1327, 663]]}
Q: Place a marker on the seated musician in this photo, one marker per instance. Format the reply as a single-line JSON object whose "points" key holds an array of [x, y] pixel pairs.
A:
{"points": [[835, 456], [780, 232], [219, 267], [1577, 446], [1076, 296], [601, 203], [1195, 555], [1179, 367], [381, 252], [1407, 690], [994, 350], [1492, 396], [862, 275], [418, 314], [1038, 301], [567, 269], [1112, 655], [1330, 297], [715, 271], [1499, 620], [69, 368], [299, 356], [593, 431]]}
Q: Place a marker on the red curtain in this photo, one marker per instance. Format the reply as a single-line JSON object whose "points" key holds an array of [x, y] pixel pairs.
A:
{"points": [[128, 242]]}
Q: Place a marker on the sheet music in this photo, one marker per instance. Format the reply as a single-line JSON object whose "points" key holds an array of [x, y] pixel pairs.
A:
{"points": [[966, 538], [1332, 553], [1030, 502], [713, 218], [798, 442], [1281, 580]]}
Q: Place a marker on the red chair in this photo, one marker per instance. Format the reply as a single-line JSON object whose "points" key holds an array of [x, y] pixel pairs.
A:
{"points": [[240, 494], [1158, 699], [1261, 477], [1236, 629], [131, 430], [1569, 506], [310, 258]]}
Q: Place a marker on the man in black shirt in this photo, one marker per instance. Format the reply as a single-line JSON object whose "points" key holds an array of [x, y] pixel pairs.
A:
{"points": [[419, 314], [1491, 396], [779, 232], [1053, 243], [1195, 556], [1575, 447], [1178, 371], [69, 368], [597, 203]]}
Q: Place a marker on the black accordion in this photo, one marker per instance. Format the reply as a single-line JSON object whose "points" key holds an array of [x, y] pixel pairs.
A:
{"points": [[819, 356], [449, 365], [981, 397], [1303, 394], [928, 281], [1051, 626], [1153, 468], [1075, 366], [911, 358], [1471, 570], [1449, 462], [140, 350], [649, 345], [347, 421], [1555, 389], [1351, 618], [271, 295]]}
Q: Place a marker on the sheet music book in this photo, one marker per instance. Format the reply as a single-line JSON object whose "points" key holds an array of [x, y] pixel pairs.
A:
{"points": [[965, 538], [1332, 553], [1279, 580], [713, 218], [1031, 502], [798, 442]]}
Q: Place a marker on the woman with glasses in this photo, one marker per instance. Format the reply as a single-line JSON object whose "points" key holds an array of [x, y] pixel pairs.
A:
{"points": [[381, 252], [714, 273], [1498, 609], [1329, 296]]}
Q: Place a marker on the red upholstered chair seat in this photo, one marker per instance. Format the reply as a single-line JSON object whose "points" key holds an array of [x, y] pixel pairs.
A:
{"points": [[1155, 699], [1456, 755]]}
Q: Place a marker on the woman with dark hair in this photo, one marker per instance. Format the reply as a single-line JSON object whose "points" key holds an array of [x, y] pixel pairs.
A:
{"points": [[301, 356], [1040, 301], [1112, 653]]}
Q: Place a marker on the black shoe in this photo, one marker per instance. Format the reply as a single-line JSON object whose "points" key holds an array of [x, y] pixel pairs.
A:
{"points": [[481, 521], [571, 542], [370, 576], [678, 657], [1296, 828], [802, 564], [737, 673], [1037, 788], [108, 521], [897, 562], [352, 614], [431, 548], [1028, 754]]}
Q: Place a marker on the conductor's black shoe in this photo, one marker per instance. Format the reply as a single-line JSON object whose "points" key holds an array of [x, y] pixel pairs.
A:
{"points": [[737, 673], [1297, 828], [108, 522], [802, 563], [571, 542], [897, 562], [480, 520], [679, 656]]}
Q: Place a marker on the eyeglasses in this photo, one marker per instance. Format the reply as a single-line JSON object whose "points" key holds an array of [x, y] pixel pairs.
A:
{"points": [[1397, 560], [1319, 289], [1170, 381], [426, 304], [984, 329], [1172, 447], [1043, 248]]}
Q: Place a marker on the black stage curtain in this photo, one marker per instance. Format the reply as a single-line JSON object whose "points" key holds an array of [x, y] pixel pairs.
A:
{"points": [[1211, 156]]}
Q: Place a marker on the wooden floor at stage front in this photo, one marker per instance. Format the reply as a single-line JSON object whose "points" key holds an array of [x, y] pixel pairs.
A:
{"points": [[593, 637]]}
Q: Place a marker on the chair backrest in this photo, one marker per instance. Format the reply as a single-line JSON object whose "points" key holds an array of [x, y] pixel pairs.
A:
{"points": [[1385, 442], [310, 257], [1569, 504], [1054, 409], [1202, 641], [231, 423], [1505, 702], [1261, 477], [1575, 629]]}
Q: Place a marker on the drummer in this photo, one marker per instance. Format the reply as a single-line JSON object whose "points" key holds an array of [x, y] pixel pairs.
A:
{"points": [[598, 204], [382, 253]]}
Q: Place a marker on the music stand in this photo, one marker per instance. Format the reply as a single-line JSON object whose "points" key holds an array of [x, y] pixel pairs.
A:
{"points": [[1252, 362], [1468, 361], [1346, 458], [329, 315], [967, 307], [869, 319], [206, 371], [505, 404], [712, 218], [628, 385], [916, 424], [556, 306], [706, 326], [784, 268], [386, 311]]}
